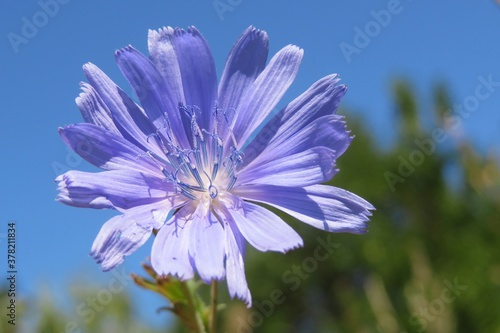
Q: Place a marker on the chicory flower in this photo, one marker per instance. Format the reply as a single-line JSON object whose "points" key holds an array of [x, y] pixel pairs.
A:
{"points": [[194, 159]]}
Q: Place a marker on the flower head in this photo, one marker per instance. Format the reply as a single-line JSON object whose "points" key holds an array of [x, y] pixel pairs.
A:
{"points": [[194, 159]]}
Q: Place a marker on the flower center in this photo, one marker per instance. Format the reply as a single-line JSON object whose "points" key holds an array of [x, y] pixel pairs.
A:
{"points": [[201, 171]]}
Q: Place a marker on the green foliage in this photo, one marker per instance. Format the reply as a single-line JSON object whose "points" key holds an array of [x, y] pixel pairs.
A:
{"points": [[183, 298], [41, 315]]}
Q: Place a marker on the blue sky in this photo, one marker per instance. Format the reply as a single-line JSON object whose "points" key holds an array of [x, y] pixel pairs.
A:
{"points": [[455, 42]]}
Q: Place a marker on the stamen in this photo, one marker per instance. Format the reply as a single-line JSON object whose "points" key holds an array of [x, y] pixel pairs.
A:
{"points": [[184, 161], [173, 161], [188, 194], [165, 172], [197, 157], [196, 175], [219, 151], [229, 167], [184, 166], [204, 153], [215, 113], [231, 183], [214, 148], [157, 158], [195, 129], [159, 140], [212, 190], [235, 159], [192, 187], [155, 135], [236, 156], [226, 118], [162, 169], [170, 138], [186, 189], [215, 170]]}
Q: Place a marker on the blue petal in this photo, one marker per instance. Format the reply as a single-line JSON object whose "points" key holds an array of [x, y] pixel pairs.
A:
{"points": [[235, 252], [245, 62], [264, 230], [313, 166], [235, 269], [169, 254], [266, 91], [116, 189], [197, 67], [152, 91], [163, 56], [325, 207], [207, 245], [94, 110], [321, 99], [185, 61], [123, 234], [128, 117], [105, 149], [329, 131]]}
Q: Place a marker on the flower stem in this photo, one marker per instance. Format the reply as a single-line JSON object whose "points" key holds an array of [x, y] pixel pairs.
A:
{"points": [[198, 323], [213, 313]]}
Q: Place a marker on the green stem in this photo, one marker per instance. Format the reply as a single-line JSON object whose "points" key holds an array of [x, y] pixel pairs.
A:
{"points": [[213, 313], [199, 327]]}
